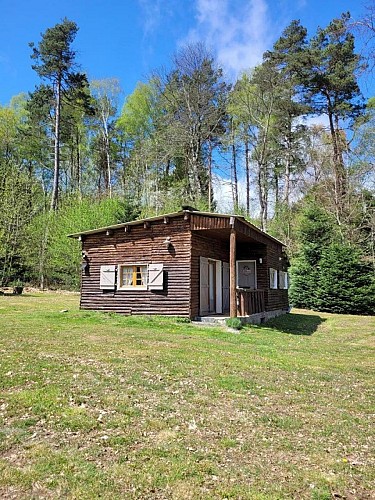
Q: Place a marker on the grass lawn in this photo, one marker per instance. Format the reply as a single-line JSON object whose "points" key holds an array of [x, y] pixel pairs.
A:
{"points": [[95, 405]]}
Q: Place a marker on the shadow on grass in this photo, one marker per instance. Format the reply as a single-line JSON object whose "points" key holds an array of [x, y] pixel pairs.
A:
{"points": [[11, 294], [295, 324]]}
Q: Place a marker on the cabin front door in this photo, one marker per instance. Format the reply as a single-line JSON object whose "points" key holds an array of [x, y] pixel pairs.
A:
{"points": [[210, 287]]}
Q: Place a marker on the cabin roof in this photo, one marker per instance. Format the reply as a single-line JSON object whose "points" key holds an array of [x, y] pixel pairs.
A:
{"points": [[172, 215]]}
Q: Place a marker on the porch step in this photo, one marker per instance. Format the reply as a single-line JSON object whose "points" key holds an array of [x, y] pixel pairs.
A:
{"points": [[211, 320]]}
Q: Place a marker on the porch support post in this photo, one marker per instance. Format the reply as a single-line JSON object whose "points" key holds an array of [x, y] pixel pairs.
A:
{"points": [[232, 273]]}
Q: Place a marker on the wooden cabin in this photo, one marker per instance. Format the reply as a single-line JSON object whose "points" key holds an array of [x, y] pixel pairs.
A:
{"points": [[189, 263]]}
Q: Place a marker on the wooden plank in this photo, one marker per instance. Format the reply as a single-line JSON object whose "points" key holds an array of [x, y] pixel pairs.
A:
{"points": [[232, 274]]}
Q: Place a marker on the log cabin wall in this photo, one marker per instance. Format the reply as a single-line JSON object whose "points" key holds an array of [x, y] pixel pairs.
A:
{"points": [[203, 246], [141, 245], [276, 298]]}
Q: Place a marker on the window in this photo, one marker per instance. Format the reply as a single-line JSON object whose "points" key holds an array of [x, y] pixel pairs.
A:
{"points": [[273, 278], [283, 280], [246, 274], [140, 277], [132, 276]]}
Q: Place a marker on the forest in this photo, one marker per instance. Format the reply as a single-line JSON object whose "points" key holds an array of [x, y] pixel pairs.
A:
{"points": [[291, 141]]}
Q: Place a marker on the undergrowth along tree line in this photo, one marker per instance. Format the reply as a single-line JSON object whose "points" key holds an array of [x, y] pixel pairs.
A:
{"points": [[72, 158]]}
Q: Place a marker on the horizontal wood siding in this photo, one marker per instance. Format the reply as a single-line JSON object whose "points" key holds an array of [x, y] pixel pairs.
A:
{"points": [[141, 245], [199, 222], [276, 298]]}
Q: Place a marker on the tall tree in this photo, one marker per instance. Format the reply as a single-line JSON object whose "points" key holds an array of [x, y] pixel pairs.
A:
{"points": [[106, 94], [55, 63], [253, 104], [332, 89], [193, 98]]}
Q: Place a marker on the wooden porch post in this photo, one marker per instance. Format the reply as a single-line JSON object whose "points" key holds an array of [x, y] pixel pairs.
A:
{"points": [[232, 272]]}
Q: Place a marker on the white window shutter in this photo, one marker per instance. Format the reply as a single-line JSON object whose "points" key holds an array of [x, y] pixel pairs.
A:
{"points": [[107, 277], [155, 277]]}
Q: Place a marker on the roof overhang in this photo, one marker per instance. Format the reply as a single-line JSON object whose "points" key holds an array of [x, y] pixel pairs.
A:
{"points": [[231, 223]]}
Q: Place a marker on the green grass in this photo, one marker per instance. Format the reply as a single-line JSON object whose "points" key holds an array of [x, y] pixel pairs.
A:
{"points": [[97, 405]]}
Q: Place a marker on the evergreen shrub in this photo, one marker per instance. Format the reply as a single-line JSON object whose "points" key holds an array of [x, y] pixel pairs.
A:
{"points": [[346, 282]]}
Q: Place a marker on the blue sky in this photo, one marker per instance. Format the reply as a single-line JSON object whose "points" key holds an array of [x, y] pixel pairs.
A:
{"points": [[128, 39]]}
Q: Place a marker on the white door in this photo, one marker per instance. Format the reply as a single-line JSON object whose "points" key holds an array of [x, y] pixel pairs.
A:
{"points": [[211, 286], [203, 287], [225, 287]]}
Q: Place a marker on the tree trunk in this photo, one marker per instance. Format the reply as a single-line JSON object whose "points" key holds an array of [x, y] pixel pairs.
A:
{"points": [[56, 174], [286, 194], [108, 161], [338, 165], [263, 196], [209, 176], [234, 178], [247, 167]]}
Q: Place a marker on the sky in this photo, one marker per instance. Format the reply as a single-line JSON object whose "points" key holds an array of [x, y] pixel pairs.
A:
{"points": [[128, 39]]}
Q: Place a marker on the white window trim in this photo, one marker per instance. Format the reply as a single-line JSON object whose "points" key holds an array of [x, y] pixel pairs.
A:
{"points": [[131, 287], [286, 280], [273, 285], [255, 270]]}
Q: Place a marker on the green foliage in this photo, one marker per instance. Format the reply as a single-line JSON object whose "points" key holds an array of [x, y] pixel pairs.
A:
{"points": [[51, 257], [137, 117], [18, 193], [304, 281], [346, 282], [234, 323], [54, 56], [329, 275], [315, 231]]}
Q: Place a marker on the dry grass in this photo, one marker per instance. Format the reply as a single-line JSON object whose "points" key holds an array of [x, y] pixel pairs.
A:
{"points": [[96, 405]]}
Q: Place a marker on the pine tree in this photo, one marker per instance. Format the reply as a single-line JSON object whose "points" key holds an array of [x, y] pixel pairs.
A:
{"points": [[347, 283], [55, 63], [315, 233]]}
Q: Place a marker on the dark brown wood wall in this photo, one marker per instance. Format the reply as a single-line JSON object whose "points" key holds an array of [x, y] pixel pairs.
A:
{"points": [[142, 245], [276, 299]]}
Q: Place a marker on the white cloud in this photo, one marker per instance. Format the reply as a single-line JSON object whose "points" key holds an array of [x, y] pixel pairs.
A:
{"points": [[151, 15], [238, 31]]}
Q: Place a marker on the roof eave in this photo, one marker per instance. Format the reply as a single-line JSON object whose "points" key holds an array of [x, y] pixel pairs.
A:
{"points": [[173, 214]]}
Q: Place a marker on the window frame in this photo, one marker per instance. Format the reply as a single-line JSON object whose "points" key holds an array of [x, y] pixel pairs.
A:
{"points": [[133, 286], [283, 280], [274, 283]]}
